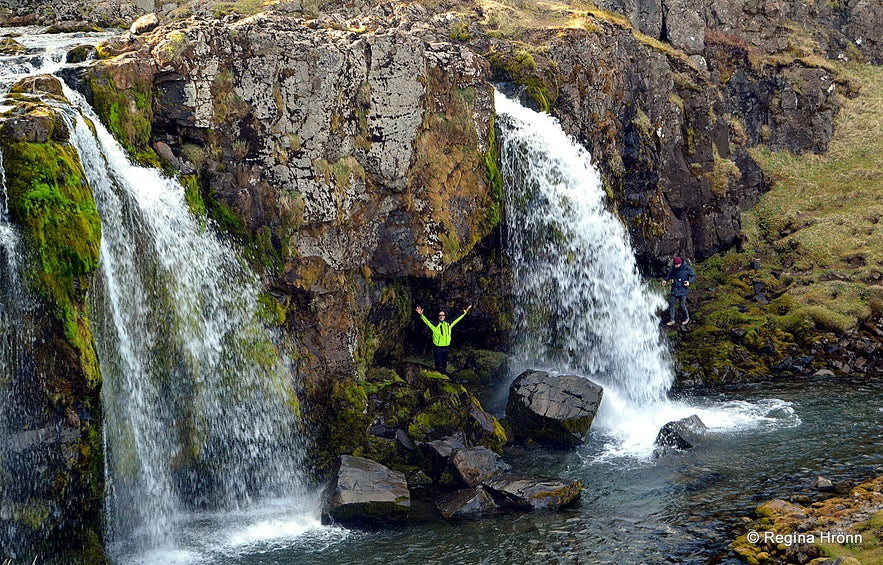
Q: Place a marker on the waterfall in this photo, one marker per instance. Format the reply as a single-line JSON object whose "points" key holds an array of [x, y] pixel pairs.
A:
{"points": [[18, 480], [200, 410], [203, 451], [580, 304]]}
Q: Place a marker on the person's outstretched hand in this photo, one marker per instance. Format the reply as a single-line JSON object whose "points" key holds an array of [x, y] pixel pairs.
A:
{"points": [[419, 310], [468, 308]]}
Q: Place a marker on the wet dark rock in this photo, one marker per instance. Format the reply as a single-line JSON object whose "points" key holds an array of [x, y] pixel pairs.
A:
{"points": [[475, 464], [435, 455], [682, 434], [379, 428], [364, 492], [464, 503], [553, 410], [81, 53], [532, 493], [405, 441], [823, 484]]}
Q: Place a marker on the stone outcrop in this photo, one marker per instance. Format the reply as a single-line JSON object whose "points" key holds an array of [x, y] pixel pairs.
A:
{"points": [[840, 29], [476, 464], [532, 493], [354, 164], [550, 409], [51, 454], [364, 492], [465, 503], [848, 522]]}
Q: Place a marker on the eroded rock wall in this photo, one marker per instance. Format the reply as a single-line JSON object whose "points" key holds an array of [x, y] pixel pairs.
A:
{"points": [[353, 166], [839, 29]]}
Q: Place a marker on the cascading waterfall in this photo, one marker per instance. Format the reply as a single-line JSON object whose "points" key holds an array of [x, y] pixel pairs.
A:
{"points": [[20, 459], [580, 304], [202, 446], [200, 410]]}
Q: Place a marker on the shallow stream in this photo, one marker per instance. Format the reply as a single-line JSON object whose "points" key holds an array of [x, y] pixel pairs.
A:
{"points": [[766, 441]]}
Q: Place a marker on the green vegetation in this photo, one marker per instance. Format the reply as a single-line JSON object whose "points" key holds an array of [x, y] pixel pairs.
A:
{"points": [[521, 68], [241, 7], [128, 114], [815, 237], [50, 197]]}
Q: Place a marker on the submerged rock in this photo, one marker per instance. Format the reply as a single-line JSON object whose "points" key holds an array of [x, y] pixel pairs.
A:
{"points": [[553, 410], [823, 484], [682, 434], [532, 493], [467, 502], [364, 492]]}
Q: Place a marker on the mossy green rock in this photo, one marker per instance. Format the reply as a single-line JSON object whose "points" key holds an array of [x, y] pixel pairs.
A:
{"points": [[49, 196], [53, 206]]}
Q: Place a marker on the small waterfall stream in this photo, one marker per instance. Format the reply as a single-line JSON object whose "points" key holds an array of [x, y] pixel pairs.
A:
{"points": [[200, 409]]}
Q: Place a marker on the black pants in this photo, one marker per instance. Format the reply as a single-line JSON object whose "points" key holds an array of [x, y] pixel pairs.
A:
{"points": [[441, 359]]}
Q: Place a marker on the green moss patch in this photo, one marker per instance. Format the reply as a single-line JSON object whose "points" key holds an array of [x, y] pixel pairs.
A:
{"points": [[127, 112], [49, 195]]}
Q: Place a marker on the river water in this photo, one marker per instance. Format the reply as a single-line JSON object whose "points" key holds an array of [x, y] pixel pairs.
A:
{"points": [[766, 441]]}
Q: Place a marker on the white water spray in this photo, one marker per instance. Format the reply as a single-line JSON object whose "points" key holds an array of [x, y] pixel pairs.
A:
{"points": [[580, 303], [200, 410]]}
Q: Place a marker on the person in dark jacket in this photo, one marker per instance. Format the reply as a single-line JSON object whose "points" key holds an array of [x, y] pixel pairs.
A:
{"points": [[441, 336], [681, 276]]}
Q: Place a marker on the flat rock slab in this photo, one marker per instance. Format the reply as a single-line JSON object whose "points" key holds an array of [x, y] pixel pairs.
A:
{"points": [[364, 492], [532, 493], [555, 410]]}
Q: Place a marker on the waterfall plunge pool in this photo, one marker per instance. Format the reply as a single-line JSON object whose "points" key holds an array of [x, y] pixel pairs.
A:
{"points": [[766, 441]]}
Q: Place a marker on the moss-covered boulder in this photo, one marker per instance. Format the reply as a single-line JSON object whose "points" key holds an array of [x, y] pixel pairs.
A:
{"points": [[556, 410]]}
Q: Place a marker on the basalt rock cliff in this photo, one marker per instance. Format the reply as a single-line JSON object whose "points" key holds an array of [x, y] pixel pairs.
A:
{"points": [[354, 157]]}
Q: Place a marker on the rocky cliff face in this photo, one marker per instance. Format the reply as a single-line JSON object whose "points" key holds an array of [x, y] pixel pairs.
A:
{"points": [[670, 128], [840, 30], [351, 164], [50, 387], [354, 159]]}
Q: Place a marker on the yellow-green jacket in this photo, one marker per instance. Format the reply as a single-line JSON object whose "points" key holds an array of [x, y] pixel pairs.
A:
{"points": [[441, 333]]}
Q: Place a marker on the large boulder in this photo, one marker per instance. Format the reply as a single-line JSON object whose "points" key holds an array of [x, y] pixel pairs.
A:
{"points": [[552, 410], [682, 434], [364, 492], [532, 493]]}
